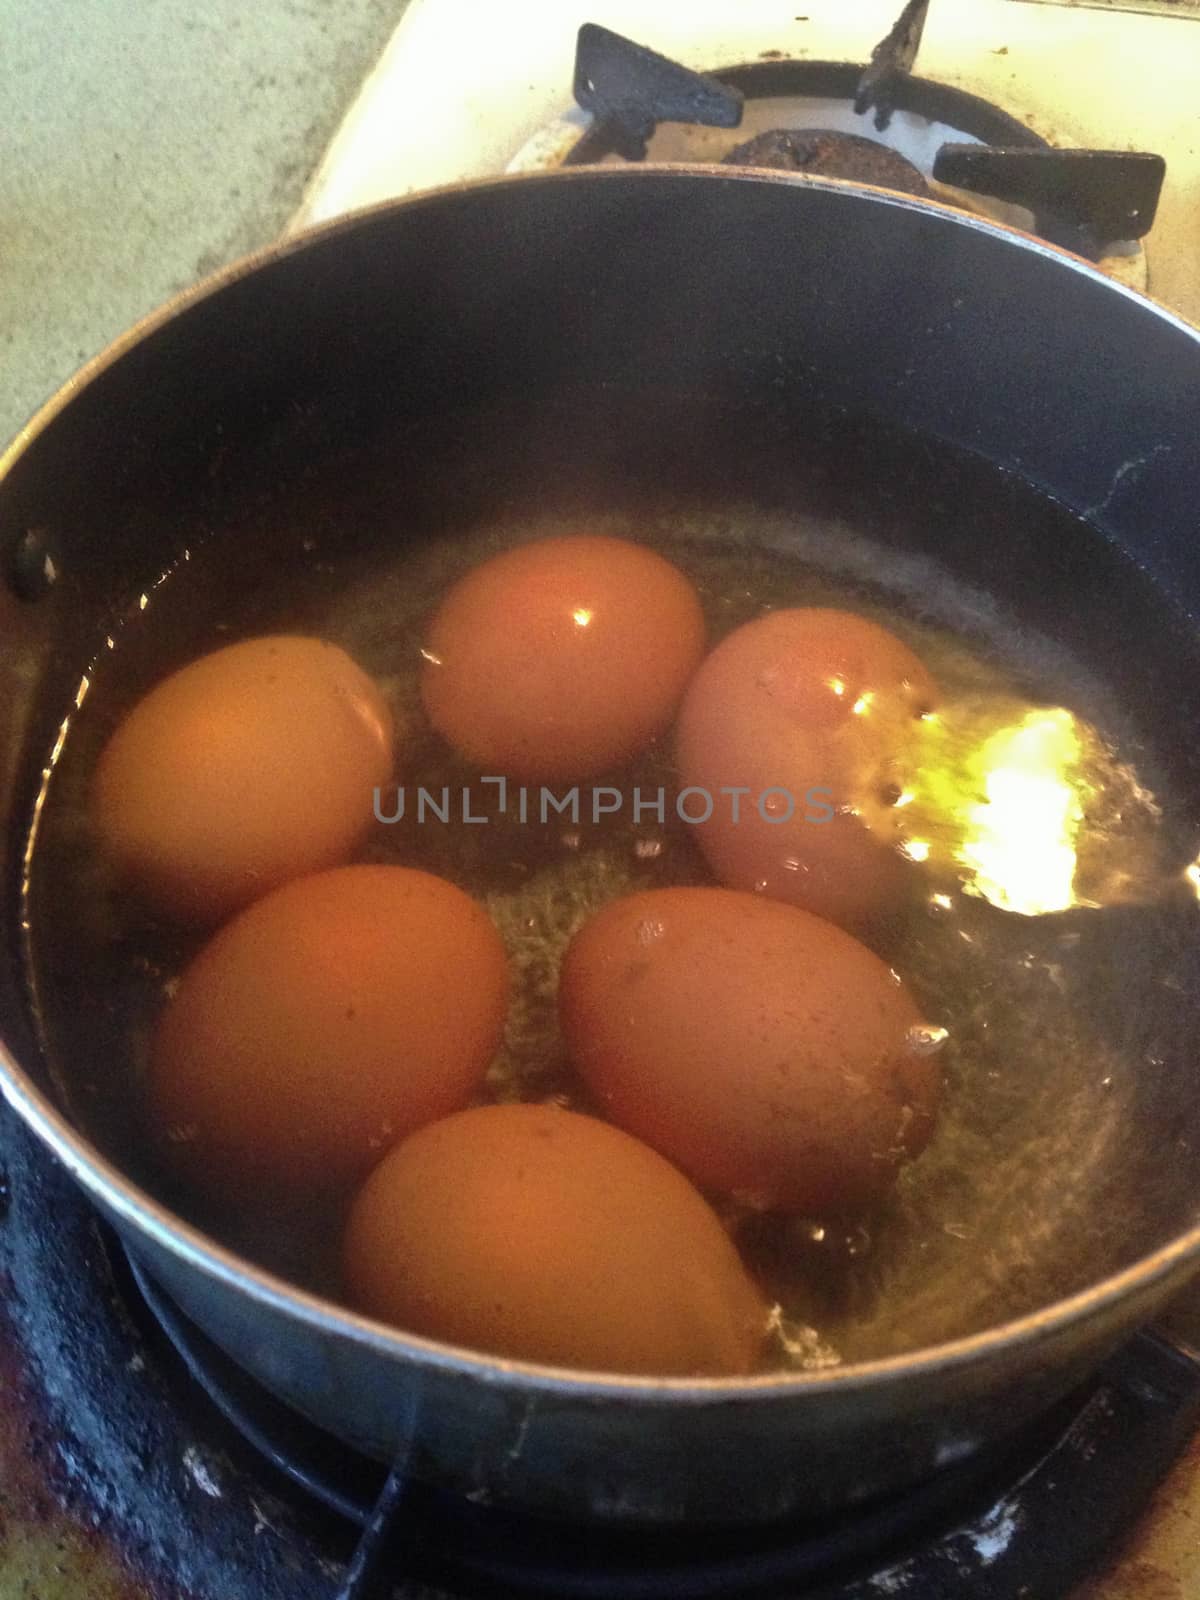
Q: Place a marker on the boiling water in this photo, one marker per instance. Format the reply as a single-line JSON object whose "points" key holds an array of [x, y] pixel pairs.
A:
{"points": [[1027, 1189]]}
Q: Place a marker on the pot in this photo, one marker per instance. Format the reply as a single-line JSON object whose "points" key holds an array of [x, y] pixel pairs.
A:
{"points": [[740, 335]]}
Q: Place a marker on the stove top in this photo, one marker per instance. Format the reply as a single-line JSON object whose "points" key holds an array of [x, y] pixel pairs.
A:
{"points": [[467, 91], [136, 1460], [880, 125]]}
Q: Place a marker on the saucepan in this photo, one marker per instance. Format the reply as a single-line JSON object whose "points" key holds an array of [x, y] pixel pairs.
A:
{"points": [[1009, 436]]}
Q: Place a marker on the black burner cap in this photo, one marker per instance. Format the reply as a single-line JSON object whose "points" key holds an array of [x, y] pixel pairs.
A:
{"points": [[821, 152]]}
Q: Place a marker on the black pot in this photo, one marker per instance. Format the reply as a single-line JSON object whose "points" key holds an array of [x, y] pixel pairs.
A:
{"points": [[741, 336]]}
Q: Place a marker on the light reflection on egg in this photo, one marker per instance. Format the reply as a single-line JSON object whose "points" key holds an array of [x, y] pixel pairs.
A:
{"points": [[562, 658], [817, 703]]}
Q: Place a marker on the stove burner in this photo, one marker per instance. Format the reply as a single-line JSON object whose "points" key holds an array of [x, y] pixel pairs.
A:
{"points": [[825, 153], [1084, 200], [205, 1484], [824, 80], [1028, 1518]]}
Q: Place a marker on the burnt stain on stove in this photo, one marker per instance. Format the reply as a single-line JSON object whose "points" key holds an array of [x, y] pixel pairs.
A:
{"points": [[1139, 1581], [117, 1480], [1149, 1563], [821, 152], [48, 1548]]}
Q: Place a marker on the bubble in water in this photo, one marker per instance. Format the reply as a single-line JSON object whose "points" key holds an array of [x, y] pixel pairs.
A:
{"points": [[923, 1038], [858, 1241], [802, 1345], [648, 930], [760, 886], [648, 849], [813, 1232], [791, 864], [899, 1146], [571, 841]]}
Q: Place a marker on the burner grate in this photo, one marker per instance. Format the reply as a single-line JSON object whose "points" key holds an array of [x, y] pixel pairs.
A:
{"points": [[1083, 200], [892, 60], [631, 89]]}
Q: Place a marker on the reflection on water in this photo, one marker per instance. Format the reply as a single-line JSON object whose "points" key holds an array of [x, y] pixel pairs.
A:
{"points": [[1020, 842], [1031, 810], [1005, 804]]}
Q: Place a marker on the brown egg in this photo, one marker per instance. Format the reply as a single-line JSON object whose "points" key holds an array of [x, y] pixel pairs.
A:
{"points": [[562, 658], [764, 1051], [814, 715], [324, 1023], [535, 1233], [243, 769]]}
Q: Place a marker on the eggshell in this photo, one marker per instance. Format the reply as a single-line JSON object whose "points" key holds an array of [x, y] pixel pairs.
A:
{"points": [[245, 768], [764, 1051], [533, 1232], [322, 1024], [562, 658]]}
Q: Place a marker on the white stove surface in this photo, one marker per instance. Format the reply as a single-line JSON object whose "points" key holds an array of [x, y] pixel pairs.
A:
{"points": [[465, 85]]}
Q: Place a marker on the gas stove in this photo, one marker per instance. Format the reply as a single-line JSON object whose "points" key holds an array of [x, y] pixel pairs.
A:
{"points": [[135, 1459], [467, 91]]}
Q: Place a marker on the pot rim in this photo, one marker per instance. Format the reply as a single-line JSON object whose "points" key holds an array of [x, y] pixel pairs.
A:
{"points": [[139, 1210]]}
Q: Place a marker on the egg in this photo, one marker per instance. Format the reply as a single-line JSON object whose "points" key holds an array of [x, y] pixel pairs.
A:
{"points": [[562, 658], [320, 1025], [245, 768], [815, 716], [764, 1051], [532, 1232]]}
